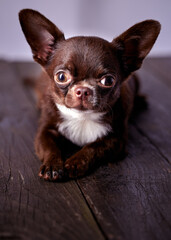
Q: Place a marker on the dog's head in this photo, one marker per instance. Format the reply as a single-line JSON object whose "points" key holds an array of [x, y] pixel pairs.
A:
{"points": [[86, 72]]}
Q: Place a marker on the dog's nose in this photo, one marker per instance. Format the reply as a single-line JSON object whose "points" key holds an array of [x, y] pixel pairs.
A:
{"points": [[83, 92]]}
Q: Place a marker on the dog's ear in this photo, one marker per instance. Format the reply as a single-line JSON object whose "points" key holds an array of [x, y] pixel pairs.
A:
{"points": [[41, 34], [134, 44]]}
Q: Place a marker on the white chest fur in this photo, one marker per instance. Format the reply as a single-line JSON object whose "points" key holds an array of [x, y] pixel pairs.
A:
{"points": [[81, 127]]}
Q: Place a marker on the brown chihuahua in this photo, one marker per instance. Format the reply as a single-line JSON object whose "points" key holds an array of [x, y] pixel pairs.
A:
{"points": [[86, 93]]}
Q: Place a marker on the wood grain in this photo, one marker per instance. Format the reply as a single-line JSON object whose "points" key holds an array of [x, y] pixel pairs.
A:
{"points": [[124, 200], [131, 199], [155, 123]]}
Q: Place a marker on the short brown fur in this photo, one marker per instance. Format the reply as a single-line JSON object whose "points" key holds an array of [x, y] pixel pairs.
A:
{"points": [[85, 59]]}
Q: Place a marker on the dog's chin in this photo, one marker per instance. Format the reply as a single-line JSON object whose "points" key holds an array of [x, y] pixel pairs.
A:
{"points": [[80, 107]]}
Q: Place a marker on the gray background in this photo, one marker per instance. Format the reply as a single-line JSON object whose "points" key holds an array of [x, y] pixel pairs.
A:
{"points": [[103, 18]]}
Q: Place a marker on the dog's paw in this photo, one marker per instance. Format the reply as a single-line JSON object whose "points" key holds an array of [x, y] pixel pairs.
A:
{"points": [[51, 172], [76, 166]]}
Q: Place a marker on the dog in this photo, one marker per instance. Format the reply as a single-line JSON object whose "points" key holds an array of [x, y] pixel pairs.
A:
{"points": [[87, 92]]}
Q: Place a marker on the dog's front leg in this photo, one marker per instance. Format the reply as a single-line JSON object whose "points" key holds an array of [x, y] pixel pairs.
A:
{"points": [[46, 146], [92, 154]]}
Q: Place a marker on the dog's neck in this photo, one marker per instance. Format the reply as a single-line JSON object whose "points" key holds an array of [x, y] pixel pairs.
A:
{"points": [[81, 127]]}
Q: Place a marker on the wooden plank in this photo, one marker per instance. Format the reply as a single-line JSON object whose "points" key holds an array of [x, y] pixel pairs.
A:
{"points": [[155, 122], [161, 67], [27, 71], [31, 208], [131, 199]]}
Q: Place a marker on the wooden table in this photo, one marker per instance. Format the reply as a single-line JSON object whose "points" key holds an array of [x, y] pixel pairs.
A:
{"points": [[128, 200]]}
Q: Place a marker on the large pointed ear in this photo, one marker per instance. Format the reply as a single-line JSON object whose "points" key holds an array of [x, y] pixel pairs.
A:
{"points": [[41, 34], [134, 44]]}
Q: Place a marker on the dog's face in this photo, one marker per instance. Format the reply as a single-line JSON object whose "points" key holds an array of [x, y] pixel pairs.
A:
{"points": [[86, 72]]}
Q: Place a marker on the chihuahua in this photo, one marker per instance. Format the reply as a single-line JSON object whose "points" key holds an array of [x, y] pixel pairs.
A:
{"points": [[86, 91]]}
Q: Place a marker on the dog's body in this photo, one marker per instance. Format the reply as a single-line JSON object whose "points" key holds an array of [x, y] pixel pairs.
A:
{"points": [[86, 93]]}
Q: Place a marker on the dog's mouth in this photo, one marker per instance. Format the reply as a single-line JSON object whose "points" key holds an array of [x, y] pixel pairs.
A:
{"points": [[80, 104]]}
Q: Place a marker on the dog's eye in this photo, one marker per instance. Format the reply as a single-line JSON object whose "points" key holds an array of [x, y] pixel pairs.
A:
{"points": [[62, 77], [107, 81]]}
